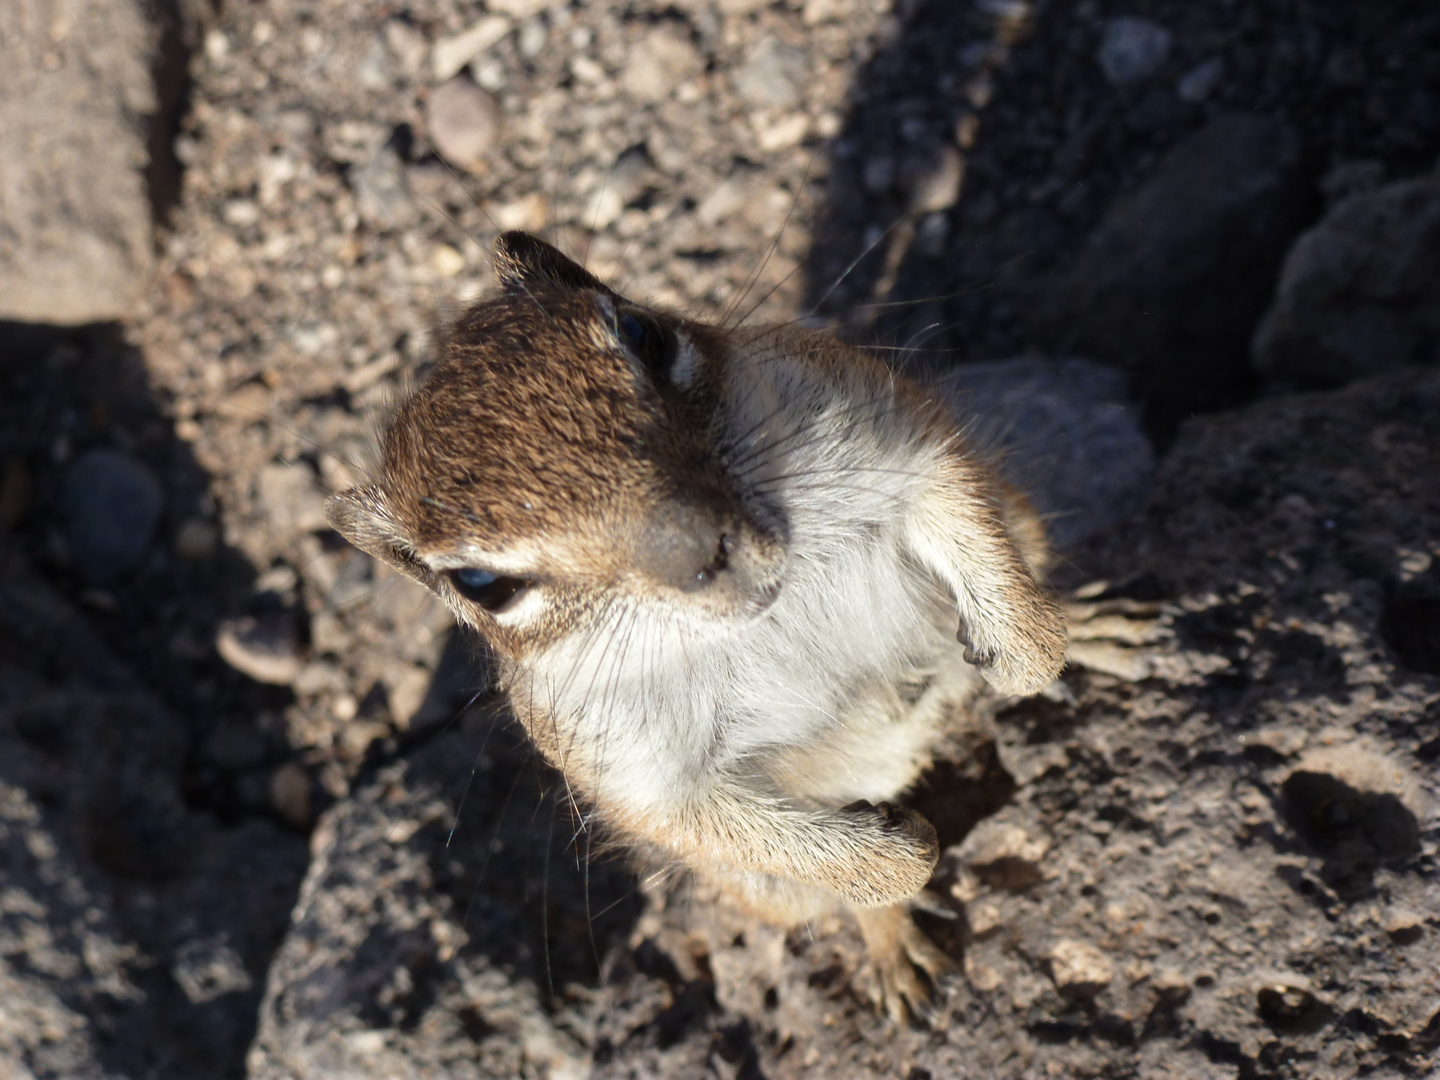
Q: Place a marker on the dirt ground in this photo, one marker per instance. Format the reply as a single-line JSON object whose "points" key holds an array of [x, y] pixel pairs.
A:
{"points": [[260, 812]]}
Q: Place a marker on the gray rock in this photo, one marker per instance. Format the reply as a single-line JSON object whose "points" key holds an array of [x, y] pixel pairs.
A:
{"points": [[1069, 435], [75, 95], [1173, 280], [1360, 292], [112, 504], [1133, 49], [463, 122]]}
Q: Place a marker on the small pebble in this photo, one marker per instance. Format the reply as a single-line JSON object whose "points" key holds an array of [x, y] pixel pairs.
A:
{"points": [[382, 193], [111, 504], [816, 12], [267, 649], [932, 180], [1171, 985], [1404, 926], [208, 969], [519, 9], [1079, 968], [878, 174], [462, 121], [1005, 855], [406, 695], [1133, 49], [534, 35], [772, 75], [658, 63], [196, 539]]}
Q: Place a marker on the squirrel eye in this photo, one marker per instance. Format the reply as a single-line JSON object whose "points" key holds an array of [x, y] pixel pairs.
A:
{"points": [[648, 341], [492, 592]]}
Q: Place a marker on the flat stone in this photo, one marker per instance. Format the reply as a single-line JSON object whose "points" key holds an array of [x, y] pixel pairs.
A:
{"points": [[112, 504]]}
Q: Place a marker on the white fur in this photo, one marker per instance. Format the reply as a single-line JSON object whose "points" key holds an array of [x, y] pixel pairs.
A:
{"points": [[655, 704]]}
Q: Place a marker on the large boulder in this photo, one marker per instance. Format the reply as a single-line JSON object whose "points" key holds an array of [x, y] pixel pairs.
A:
{"points": [[1360, 292], [76, 99], [1170, 284]]}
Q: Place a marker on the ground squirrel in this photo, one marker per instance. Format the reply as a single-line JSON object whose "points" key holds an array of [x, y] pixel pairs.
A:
{"points": [[722, 570]]}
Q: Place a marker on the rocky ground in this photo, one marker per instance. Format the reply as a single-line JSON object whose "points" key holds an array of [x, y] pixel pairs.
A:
{"points": [[259, 812]]}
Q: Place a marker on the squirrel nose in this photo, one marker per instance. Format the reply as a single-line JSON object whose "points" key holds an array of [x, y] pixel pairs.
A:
{"points": [[710, 550], [685, 546]]}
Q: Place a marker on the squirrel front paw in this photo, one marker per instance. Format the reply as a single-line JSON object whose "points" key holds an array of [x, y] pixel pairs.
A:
{"points": [[1024, 652], [897, 861]]}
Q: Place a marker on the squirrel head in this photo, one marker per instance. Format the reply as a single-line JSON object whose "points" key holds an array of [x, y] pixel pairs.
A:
{"points": [[563, 455]]}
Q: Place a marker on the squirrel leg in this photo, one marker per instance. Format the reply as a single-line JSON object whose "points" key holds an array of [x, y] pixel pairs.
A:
{"points": [[1012, 629], [899, 952], [863, 854]]}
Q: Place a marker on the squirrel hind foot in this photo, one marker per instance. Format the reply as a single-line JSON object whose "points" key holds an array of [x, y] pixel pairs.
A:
{"points": [[912, 972]]}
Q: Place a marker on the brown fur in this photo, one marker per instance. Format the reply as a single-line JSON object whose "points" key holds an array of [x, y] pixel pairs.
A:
{"points": [[540, 444]]}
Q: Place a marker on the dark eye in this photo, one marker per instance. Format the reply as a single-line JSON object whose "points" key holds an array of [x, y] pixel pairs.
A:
{"points": [[648, 341], [493, 592]]}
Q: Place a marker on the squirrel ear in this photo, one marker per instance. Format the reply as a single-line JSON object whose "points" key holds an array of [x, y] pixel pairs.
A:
{"points": [[362, 516], [522, 260]]}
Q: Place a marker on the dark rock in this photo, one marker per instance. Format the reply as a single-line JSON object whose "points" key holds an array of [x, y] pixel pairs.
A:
{"points": [[1071, 438], [1172, 281], [136, 931], [1360, 292], [431, 922], [112, 504]]}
